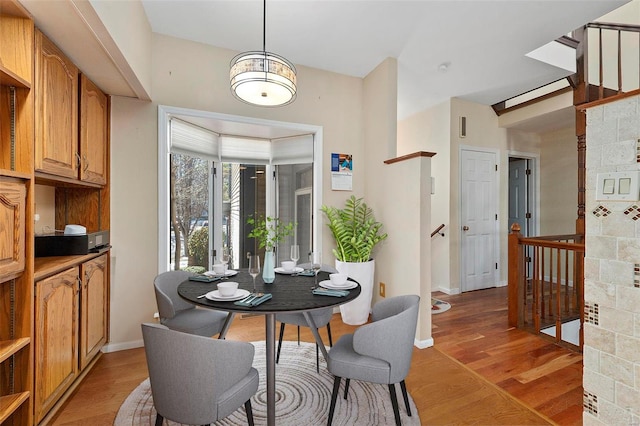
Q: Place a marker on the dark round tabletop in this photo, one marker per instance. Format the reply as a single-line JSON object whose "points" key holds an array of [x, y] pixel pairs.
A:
{"points": [[290, 294]]}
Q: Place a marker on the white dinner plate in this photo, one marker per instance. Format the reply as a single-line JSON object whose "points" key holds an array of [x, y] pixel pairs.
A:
{"points": [[295, 270], [229, 273], [215, 295], [346, 286]]}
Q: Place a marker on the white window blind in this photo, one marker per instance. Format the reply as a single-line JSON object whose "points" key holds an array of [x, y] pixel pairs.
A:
{"points": [[236, 149], [190, 139], [293, 150], [193, 140]]}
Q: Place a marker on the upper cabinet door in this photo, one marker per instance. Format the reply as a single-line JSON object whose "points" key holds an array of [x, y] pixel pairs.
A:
{"points": [[56, 112], [93, 132]]}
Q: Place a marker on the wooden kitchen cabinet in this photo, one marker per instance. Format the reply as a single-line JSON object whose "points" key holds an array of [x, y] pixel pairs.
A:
{"points": [[94, 134], [93, 308], [56, 339], [56, 110], [54, 312], [16, 205], [71, 322], [13, 193]]}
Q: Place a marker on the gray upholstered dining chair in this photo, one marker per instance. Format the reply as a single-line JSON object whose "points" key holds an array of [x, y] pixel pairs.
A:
{"points": [[198, 380], [178, 314], [321, 317], [378, 352]]}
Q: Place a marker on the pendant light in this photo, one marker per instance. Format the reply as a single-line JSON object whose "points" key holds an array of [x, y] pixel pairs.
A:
{"points": [[263, 78]]}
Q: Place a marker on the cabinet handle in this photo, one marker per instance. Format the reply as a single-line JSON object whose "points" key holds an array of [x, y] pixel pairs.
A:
{"points": [[79, 160], [86, 163]]}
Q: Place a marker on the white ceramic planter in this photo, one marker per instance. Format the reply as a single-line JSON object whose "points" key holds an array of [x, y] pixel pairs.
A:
{"points": [[357, 311]]}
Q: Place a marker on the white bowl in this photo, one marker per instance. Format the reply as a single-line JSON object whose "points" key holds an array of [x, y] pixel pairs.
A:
{"points": [[227, 288], [288, 265], [338, 279]]}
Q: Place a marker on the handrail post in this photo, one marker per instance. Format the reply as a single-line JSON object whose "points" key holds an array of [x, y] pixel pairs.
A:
{"points": [[515, 290]]}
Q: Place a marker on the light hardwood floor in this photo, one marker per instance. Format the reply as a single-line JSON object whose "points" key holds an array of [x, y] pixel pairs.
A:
{"points": [[479, 372]]}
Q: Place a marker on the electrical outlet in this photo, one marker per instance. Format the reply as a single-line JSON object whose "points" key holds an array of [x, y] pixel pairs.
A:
{"points": [[382, 289]]}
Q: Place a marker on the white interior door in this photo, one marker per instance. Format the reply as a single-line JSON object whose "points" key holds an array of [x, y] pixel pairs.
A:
{"points": [[479, 218]]}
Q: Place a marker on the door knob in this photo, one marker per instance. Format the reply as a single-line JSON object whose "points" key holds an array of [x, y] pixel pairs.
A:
{"points": [[465, 228]]}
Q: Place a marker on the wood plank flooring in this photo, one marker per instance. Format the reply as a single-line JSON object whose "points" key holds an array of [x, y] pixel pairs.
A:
{"points": [[541, 374], [479, 372]]}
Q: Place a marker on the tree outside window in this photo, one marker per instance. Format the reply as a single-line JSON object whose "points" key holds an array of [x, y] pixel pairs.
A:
{"points": [[189, 212]]}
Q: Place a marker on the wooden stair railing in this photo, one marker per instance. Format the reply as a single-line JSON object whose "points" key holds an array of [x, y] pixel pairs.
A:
{"points": [[546, 281], [437, 231], [625, 38]]}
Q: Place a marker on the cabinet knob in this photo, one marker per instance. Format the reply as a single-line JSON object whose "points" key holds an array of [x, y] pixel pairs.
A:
{"points": [[465, 228]]}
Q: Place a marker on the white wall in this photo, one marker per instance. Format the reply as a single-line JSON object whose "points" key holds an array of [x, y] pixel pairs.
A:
{"points": [[134, 225], [45, 197], [558, 182], [405, 259], [380, 126], [429, 131], [399, 196], [193, 75], [127, 25]]}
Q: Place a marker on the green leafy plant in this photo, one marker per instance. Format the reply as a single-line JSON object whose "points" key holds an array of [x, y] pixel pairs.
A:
{"points": [[199, 247], [269, 231], [355, 230], [195, 269]]}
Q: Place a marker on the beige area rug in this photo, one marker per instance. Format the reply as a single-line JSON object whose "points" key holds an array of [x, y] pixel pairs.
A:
{"points": [[302, 396]]}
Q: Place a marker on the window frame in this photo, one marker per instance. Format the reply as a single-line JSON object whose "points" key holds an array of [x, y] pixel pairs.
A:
{"points": [[165, 112]]}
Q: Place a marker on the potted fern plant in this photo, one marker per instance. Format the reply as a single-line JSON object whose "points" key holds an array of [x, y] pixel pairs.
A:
{"points": [[356, 233]]}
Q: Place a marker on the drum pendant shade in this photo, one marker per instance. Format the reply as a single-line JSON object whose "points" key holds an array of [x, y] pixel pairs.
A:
{"points": [[263, 78]]}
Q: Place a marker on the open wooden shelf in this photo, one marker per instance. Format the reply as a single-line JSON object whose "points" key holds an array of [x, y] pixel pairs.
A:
{"points": [[14, 174], [10, 403], [10, 347], [8, 78]]}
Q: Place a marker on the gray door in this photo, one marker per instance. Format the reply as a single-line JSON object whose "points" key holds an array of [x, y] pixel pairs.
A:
{"points": [[518, 194]]}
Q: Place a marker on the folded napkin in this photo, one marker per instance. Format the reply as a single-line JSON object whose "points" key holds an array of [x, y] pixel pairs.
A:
{"points": [[204, 278], [334, 293], [254, 302]]}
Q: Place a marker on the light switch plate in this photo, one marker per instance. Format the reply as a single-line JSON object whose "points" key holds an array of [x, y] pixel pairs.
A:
{"points": [[618, 186]]}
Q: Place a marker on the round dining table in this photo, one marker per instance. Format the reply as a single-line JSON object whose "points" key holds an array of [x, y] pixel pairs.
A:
{"points": [[290, 293]]}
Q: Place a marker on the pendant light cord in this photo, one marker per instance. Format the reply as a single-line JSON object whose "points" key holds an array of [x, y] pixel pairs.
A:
{"points": [[264, 26]]}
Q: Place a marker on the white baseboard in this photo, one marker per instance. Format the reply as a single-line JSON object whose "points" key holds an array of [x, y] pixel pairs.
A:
{"points": [[115, 347], [421, 344], [502, 284], [448, 291]]}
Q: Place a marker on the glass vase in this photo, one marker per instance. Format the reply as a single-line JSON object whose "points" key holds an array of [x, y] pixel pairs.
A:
{"points": [[268, 274]]}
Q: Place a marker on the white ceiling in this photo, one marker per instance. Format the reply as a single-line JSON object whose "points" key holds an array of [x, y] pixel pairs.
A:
{"points": [[484, 42]]}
